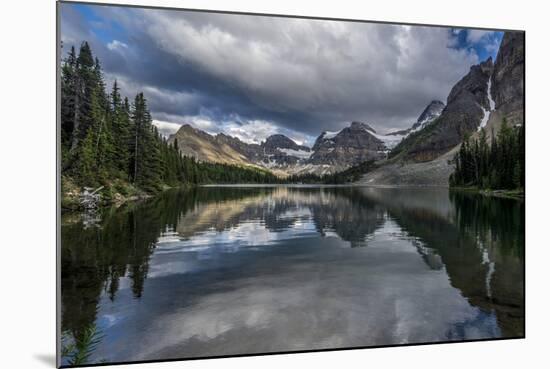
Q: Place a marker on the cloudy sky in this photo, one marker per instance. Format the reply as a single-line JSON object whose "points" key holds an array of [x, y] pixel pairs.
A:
{"points": [[253, 76]]}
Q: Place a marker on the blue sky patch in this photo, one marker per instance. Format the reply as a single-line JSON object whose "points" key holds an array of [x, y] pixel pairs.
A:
{"points": [[484, 43]]}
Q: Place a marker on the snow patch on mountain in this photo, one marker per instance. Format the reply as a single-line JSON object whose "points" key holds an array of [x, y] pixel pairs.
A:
{"points": [[327, 135], [430, 113], [491, 101], [423, 123], [487, 113], [420, 125], [390, 141], [300, 154]]}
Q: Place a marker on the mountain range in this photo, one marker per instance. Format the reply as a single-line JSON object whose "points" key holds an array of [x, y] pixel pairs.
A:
{"points": [[332, 151], [419, 155]]}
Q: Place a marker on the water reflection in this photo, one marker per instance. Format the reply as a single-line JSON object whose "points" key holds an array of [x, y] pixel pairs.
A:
{"points": [[217, 271]]}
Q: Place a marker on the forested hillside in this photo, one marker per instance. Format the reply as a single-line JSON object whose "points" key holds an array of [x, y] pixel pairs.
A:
{"points": [[108, 141]]}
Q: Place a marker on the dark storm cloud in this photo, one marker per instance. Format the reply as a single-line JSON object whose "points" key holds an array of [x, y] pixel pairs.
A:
{"points": [[177, 91], [302, 76]]}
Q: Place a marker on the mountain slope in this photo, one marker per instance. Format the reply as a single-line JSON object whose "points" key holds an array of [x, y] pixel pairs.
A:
{"points": [[281, 151], [462, 115], [429, 114], [195, 143], [397, 173], [507, 84]]}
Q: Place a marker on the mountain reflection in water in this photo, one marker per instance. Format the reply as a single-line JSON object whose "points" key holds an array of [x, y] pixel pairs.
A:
{"points": [[235, 270]]}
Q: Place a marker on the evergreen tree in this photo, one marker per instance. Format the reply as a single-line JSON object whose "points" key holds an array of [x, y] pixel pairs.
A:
{"points": [[121, 131], [85, 84], [146, 154], [68, 97]]}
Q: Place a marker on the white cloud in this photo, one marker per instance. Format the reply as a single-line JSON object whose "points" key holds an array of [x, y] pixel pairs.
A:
{"points": [[116, 45], [156, 96], [252, 132], [256, 131], [166, 128], [493, 45], [347, 71]]}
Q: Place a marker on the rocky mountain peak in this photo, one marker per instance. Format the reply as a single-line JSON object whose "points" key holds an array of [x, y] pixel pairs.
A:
{"points": [[189, 130], [487, 65], [432, 111], [279, 141], [350, 146], [187, 127], [473, 86]]}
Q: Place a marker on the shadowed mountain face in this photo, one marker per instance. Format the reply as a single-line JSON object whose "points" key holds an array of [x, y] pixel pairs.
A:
{"points": [[220, 271], [432, 111], [274, 142], [508, 77], [461, 116], [428, 115]]}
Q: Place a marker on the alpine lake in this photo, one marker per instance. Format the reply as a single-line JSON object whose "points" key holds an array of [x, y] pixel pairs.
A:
{"points": [[243, 269]]}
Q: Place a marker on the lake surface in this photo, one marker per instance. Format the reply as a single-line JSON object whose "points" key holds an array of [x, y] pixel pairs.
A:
{"points": [[237, 270]]}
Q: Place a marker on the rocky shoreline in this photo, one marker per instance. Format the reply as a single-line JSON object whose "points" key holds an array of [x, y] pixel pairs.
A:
{"points": [[115, 195]]}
